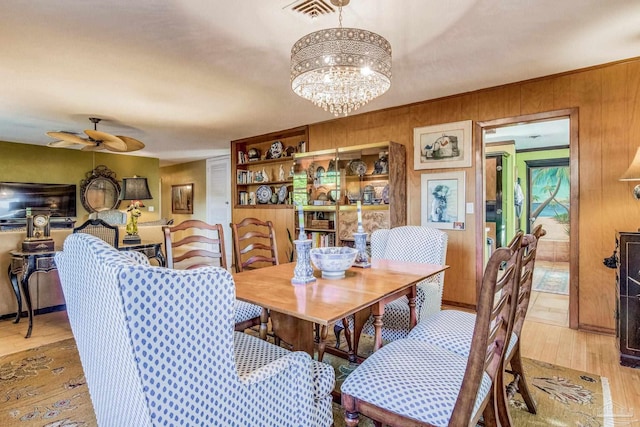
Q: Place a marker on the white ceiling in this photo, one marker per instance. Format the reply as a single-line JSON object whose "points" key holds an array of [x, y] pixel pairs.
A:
{"points": [[187, 76]]}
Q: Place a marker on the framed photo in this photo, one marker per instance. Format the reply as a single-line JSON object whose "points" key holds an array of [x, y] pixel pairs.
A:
{"points": [[442, 146], [443, 200], [182, 199]]}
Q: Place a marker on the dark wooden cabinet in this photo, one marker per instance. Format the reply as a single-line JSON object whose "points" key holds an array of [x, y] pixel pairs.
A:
{"points": [[628, 298]]}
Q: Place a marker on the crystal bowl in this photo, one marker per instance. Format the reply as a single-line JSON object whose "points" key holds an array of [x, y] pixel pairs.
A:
{"points": [[333, 261]]}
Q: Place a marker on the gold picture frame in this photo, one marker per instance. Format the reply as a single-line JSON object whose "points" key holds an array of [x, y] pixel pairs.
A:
{"points": [[445, 145], [182, 199]]}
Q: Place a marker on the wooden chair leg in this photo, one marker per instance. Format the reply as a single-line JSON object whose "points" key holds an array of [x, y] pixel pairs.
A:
{"points": [[523, 387], [347, 334], [337, 329]]}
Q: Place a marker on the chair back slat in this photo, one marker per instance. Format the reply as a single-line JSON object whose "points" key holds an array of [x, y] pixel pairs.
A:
{"points": [[202, 246]]}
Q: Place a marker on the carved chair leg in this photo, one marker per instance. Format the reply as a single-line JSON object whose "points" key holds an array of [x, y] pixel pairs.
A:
{"points": [[347, 334], [351, 419], [523, 387]]}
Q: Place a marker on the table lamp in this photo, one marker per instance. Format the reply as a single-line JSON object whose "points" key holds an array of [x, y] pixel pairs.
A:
{"points": [[134, 189]]}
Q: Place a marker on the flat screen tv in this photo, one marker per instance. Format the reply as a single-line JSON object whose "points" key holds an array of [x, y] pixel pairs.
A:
{"points": [[16, 197]]}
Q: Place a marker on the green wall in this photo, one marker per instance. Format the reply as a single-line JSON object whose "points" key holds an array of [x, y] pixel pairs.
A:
{"points": [[42, 164], [521, 171]]}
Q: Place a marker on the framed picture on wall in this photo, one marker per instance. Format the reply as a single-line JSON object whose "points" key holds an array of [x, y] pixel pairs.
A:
{"points": [[182, 199], [443, 200], [446, 145]]}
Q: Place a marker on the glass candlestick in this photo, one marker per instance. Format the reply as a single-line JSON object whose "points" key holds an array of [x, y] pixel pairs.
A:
{"points": [[362, 259], [303, 272]]}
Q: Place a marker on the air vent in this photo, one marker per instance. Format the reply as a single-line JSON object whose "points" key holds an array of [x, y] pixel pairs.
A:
{"points": [[313, 8]]}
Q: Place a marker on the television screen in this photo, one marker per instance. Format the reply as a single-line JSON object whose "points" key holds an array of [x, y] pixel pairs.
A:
{"points": [[16, 197]]}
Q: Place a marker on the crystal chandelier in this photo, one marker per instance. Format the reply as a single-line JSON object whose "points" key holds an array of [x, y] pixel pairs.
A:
{"points": [[341, 69]]}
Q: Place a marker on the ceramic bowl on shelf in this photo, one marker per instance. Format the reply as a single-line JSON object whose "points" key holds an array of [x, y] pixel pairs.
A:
{"points": [[333, 261]]}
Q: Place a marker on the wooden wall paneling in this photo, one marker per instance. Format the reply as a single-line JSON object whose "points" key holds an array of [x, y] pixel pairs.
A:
{"points": [[537, 96], [586, 93], [503, 101]]}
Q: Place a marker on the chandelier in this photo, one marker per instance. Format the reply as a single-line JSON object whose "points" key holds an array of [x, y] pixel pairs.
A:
{"points": [[341, 69]]}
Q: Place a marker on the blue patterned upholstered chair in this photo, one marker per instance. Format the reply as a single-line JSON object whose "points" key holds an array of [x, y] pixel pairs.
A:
{"points": [[453, 329], [407, 243], [158, 347], [448, 389], [194, 244]]}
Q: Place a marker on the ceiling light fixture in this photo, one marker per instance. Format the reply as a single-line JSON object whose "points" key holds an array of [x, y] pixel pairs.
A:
{"points": [[96, 141], [341, 69]]}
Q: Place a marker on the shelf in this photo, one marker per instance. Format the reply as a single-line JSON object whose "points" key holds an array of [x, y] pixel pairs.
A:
{"points": [[263, 206], [266, 161], [370, 177], [247, 184]]}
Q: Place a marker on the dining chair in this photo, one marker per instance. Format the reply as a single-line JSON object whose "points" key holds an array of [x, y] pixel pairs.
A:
{"points": [[110, 216], [194, 244], [405, 243], [158, 347], [414, 382], [254, 244], [99, 228], [453, 330]]}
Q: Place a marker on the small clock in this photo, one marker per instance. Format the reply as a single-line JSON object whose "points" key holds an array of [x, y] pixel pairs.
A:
{"points": [[38, 232]]}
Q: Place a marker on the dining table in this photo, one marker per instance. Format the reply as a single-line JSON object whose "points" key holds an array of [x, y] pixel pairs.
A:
{"points": [[296, 309]]}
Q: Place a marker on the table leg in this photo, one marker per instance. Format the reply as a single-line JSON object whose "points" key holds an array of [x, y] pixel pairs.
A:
{"points": [[359, 319], [264, 323], [294, 331], [27, 295], [377, 310], [412, 308], [13, 279]]}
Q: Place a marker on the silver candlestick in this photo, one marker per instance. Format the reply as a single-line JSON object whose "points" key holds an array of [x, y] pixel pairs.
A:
{"points": [[362, 259], [303, 272]]}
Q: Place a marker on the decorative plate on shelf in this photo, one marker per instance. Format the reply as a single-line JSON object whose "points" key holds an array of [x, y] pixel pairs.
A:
{"points": [[311, 171], [357, 167], [320, 172], [283, 192], [276, 150], [263, 194], [385, 194]]}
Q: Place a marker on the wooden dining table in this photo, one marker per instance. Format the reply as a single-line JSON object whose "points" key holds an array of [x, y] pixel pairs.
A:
{"points": [[294, 310]]}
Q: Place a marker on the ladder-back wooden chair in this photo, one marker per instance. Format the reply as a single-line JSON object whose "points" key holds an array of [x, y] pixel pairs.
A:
{"points": [[99, 228], [453, 329], [413, 382], [194, 244], [254, 244]]}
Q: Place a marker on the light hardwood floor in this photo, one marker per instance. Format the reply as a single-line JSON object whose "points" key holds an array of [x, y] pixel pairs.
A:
{"points": [[559, 345]]}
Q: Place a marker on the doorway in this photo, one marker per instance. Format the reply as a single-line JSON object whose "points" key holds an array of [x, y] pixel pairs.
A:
{"points": [[545, 169]]}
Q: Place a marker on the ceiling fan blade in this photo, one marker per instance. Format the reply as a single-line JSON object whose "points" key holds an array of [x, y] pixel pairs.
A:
{"points": [[111, 142], [94, 147], [132, 143], [61, 144], [66, 136]]}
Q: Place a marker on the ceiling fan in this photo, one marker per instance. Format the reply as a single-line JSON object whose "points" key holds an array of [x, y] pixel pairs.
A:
{"points": [[96, 141]]}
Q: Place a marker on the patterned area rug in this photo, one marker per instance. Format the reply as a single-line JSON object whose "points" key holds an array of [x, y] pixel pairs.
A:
{"points": [[551, 277], [45, 386]]}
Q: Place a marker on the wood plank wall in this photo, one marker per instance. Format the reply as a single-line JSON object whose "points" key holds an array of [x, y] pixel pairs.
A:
{"points": [[608, 99]]}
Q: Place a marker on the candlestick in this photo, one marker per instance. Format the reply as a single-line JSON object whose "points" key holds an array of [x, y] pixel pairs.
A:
{"points": [[303, 271], [359, 209]]}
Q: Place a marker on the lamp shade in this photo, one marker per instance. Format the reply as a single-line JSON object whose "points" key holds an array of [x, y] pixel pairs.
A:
{"points": [[135, 188], [633, 173]]}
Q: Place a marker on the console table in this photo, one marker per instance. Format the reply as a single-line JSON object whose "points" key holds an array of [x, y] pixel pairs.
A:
{"points": [[24, 264]]}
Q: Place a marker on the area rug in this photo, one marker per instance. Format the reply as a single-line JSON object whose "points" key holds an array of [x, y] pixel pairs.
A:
{"points": [[551, 279], [45, 387]]}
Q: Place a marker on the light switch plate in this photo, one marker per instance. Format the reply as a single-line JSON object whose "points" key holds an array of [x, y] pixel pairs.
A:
{"points": [[469, 207]]}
